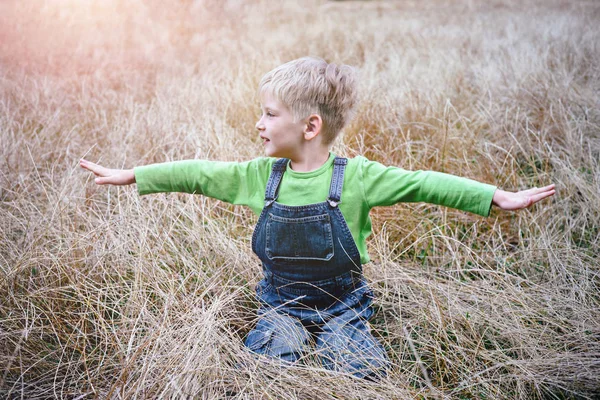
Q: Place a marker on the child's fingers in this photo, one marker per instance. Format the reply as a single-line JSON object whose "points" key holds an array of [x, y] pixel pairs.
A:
{"points": [[546, 188], [87, 165], [536, 190], [537, 197], [95, 168]]}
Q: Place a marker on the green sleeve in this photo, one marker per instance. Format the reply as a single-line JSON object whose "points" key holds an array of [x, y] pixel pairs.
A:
{"points": [[237, 183], [385, 186]]}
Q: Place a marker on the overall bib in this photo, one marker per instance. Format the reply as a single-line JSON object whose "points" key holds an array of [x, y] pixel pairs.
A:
{"points": [[313, 287]]}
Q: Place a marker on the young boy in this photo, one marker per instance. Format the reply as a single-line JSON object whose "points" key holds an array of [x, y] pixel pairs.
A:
{"points": [[314, 214]]}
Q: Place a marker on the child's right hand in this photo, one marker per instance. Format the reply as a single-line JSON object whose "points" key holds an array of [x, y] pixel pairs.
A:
{"points": [[109, 176]]}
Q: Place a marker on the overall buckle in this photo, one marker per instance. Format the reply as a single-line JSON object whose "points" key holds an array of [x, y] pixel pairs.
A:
{"points": [[333, 203]]}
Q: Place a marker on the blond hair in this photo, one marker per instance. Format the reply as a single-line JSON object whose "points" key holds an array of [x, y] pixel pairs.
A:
{"points": [[310, 85]]}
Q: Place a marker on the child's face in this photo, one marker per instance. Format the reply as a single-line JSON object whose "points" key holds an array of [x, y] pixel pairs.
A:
{"points": [[282, 137]]}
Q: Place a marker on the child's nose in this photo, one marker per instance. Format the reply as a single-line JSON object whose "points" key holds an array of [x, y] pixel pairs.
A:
{"points": [[259, 125]]}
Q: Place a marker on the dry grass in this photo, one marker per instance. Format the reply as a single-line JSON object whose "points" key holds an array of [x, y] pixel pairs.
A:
{"points": [[105, 294]]}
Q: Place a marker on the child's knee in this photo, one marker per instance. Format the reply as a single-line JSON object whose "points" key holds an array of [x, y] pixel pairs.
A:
{"points": [[353, 350], [278, 336], [363, 361]]}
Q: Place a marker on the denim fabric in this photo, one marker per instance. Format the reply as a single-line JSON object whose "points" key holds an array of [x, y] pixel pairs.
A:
{"points": [[313, 289]]}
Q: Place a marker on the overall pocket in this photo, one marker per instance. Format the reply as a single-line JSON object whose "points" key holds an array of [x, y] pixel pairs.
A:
{"points": [[307, 238]]}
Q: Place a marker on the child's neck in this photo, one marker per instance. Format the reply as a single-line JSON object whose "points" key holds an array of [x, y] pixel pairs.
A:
{"points": [[310, 161]]}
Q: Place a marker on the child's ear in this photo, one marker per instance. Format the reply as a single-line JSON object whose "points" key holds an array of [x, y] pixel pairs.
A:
{"points": [[313, 126]]}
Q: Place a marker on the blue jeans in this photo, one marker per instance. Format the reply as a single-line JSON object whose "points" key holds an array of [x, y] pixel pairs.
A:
{"points": [[338, 325]]}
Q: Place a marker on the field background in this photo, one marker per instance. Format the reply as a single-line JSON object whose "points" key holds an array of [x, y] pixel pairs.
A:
{"points": [[105, 294]]}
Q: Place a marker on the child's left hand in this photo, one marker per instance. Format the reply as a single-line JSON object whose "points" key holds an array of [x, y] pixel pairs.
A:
{"points": [[523, 199]]}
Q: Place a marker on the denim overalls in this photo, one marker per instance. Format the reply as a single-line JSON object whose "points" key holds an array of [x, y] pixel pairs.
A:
{"points": [[313, 285]]}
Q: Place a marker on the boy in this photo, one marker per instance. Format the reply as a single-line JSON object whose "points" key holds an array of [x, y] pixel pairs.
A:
{"points": [[314, 214]]}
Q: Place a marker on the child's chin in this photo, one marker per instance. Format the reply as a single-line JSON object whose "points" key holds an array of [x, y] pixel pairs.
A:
{"points": [[271, 153]]}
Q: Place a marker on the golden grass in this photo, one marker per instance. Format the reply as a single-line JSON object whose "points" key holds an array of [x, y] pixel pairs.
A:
{"points": [[105, 294]]}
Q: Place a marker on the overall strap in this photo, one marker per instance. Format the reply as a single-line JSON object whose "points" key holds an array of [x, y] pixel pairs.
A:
{"points": [[272, 191], [337, 181]]}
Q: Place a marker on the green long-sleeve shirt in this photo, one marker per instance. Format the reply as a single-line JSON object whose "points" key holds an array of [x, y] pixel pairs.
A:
{"points": [[367, 184]]}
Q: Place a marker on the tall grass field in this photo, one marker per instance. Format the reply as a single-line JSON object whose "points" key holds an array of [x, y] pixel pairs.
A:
{"points": [[110, 295]]}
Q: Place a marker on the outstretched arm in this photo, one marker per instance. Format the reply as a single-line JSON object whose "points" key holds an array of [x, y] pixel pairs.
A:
{"points": [[108, 176], [523, 199]]}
